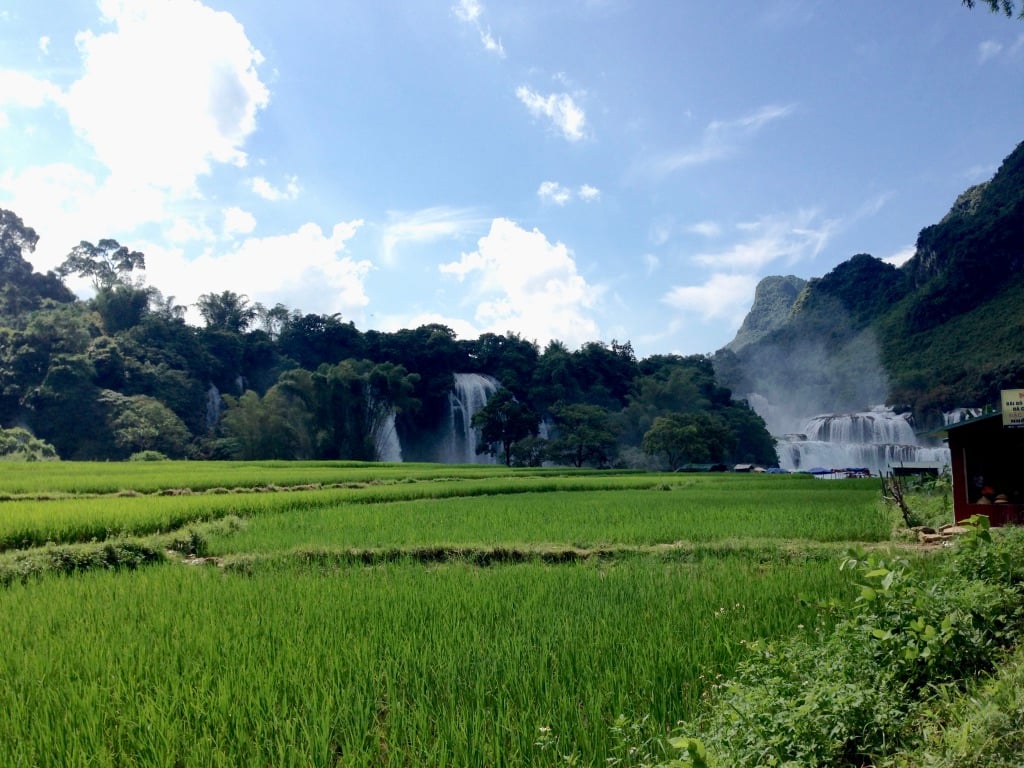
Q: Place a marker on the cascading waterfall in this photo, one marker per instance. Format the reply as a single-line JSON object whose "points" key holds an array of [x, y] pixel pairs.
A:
{"points": [[386, 440], [214, 406], [878, 440], [469, 395]]}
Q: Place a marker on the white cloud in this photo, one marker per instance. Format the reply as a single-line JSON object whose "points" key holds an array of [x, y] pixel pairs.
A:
{"points": [[306, 269], [156, 115], [184, 230], [44, 45], [652, 262], [268, 191], [467, 10], [160, 113], [423, 226], [470, 11], [553, 192], [19, 89], [661, 230], [989, 49], [66, 204], [238, 222], [522, 282], [901, 257], [559, 108], [705, 229], [788, 239], [721, 297], [721, 138], [491, 44]]}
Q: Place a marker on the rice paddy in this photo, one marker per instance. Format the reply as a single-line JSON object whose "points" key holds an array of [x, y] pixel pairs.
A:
{"points": [[432, 616]]}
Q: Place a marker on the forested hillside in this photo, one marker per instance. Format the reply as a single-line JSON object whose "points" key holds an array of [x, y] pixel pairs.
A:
{"points": [[123, 374], [945, 330]]}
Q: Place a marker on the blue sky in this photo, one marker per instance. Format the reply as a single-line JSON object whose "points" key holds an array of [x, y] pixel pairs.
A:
{"points": [[578, 169]]}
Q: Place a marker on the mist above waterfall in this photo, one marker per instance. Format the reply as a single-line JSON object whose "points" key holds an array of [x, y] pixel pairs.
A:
{"points": [[820, 393], [789, 384]]}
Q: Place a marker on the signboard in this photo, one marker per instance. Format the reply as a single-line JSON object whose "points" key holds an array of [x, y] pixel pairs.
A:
{"points": [[1013, 407]]}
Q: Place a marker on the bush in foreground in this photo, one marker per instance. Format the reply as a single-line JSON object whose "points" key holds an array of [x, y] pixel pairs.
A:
{"points": [[857, 693]]}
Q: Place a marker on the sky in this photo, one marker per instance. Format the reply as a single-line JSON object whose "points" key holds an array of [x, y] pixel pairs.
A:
{"points": [[579, 170]]}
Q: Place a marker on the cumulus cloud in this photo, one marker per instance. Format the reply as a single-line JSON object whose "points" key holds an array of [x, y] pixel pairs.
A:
{"points": [[721, 297], [22, 90], [156, 113], [66, 204], [307, 269], [720, 139], [560, 109], [522, 282], [268, 191], [238, 222], [588, 193], [786, 239]]}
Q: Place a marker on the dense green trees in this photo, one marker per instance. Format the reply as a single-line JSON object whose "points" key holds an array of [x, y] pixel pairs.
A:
{"points": [[123, 373]]}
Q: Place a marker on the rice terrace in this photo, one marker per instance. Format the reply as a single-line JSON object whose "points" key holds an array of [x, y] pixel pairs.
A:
{"points": [[338, 613]]}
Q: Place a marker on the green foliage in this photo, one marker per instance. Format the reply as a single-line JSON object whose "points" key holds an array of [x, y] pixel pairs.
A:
{"points": [[503, 422], [108, 263], [854, 693], [688, 438], [18, 444], [141, 423], [1006, 7], [148, 456], [585, 434]]}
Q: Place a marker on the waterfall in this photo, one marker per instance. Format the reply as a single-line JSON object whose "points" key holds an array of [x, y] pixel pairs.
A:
{"points": [[214, 406], [878, 440], [469, 395], [386, 440]]}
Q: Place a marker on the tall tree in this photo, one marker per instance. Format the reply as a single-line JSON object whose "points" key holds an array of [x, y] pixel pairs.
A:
{"points": [[584, 434], [108, 263], [503, 422], [21, 289], [227, 311], [688, 437]]}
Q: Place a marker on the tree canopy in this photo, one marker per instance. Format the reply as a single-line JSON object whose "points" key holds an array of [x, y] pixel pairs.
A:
{"points": [[123, 373]]}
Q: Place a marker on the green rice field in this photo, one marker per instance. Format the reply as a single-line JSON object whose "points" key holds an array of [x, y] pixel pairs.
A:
{"points": [[413, 615]]}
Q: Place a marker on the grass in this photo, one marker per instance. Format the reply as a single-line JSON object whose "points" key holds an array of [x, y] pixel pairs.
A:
{"points": [[400, 665], [391, 615]]}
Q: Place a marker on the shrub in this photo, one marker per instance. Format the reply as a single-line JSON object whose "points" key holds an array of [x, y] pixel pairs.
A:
{"points": [[854, 692], [147, 456]]}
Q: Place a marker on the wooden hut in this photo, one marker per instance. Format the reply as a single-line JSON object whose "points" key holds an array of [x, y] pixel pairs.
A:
{"points": [[987, 461]]}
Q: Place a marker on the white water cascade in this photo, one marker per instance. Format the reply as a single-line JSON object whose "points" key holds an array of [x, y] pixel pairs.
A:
{"points": [[878, 440], [386, 440], [460, 438], [214, 406]]}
